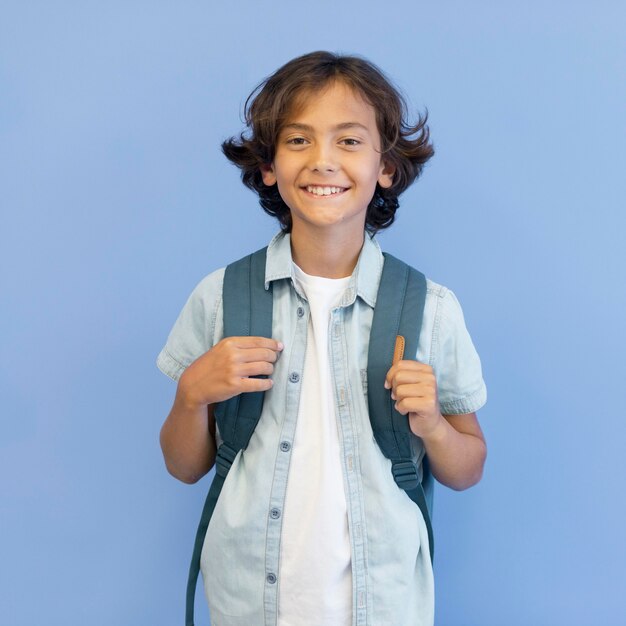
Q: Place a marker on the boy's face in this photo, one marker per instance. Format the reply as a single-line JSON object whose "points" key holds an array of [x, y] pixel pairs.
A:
{"points": [[328, 161]]}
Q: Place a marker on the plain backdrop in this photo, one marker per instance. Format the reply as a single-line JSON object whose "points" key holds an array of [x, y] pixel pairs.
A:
{"points": [[116, 201]]}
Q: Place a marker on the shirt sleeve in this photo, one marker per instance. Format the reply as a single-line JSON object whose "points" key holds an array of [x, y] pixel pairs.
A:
{"points": [[456, 363], [194, 331]]}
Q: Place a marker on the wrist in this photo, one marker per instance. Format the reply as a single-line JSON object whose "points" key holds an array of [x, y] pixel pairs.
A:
{"points": [[186, 399], [438, 433]]}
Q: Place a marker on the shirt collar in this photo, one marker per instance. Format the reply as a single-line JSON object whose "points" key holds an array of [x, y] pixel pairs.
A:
{"points": [[364, 280]]}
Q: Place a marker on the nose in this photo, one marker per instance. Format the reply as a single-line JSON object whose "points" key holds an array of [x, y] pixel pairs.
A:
{"points": [[323, 158]]}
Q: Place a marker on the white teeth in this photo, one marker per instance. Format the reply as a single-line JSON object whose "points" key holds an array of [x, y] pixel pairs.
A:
{"points": [[323, 191]]}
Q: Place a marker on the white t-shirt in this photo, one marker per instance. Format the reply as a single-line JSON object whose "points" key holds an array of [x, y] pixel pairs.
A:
{"points": [[315, 567]]}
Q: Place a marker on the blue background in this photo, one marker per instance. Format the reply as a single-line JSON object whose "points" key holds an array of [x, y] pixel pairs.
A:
{"points": [[116, 201]]}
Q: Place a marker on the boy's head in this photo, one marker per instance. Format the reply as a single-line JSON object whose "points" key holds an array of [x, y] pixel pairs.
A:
{"points": [[404, 147]]}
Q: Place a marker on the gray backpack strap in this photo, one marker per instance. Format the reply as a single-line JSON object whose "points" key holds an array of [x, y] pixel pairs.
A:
{"points": [[399, 311], [247, 307]]}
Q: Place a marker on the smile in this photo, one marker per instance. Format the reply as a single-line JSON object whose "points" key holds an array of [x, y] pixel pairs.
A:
{"points": [[324, 191]]}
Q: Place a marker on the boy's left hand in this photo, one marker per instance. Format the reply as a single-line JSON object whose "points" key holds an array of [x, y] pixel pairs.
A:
{"points": [[414, 388]]}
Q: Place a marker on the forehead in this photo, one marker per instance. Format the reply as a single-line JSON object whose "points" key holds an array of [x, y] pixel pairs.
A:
{"points": [[335, 102]]}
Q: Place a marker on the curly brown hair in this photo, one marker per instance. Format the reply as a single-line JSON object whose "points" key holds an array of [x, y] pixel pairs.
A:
{"points": [[404, 146]]}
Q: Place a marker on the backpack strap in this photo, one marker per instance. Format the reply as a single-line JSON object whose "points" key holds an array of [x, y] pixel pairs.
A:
{"points": [[399, 311], [243, 290]]}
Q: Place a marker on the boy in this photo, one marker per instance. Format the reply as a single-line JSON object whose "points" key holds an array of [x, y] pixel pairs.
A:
{"points": [[310, 527]]}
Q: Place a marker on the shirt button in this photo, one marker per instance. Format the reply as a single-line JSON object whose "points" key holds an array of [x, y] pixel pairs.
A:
{"points": [[300, 311], [271, 578], [285, 446], [294, 377], [275, 513]]}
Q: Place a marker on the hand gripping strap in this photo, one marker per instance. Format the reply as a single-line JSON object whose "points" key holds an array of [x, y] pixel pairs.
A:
{"points": [[243, 291], [399, 311]]}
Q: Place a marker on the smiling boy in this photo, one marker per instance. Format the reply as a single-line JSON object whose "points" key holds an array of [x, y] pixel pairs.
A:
{"points": [[327, 165], [310, 527]]}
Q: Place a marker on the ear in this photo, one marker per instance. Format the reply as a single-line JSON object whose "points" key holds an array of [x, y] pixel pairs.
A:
{"points": [[385, 177], [268, 175]]}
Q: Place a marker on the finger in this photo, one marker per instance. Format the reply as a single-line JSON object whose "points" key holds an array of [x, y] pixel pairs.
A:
{"points": [[420, 406], [256, 342], [402, 392], [416, 377], [410, 405], [404, 366], [257, 368], [250, 385], [409, 364], [249, 355]]}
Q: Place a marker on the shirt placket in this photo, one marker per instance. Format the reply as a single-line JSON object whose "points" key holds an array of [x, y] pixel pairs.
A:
{"points": [[283, 456], [350, 462]]}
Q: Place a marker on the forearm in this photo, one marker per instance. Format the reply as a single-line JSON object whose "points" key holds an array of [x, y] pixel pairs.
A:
{"points": [[456, 458], [188, 440]]}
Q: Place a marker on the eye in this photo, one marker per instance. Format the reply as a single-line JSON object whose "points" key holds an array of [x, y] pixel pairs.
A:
{"points": [[351, 142], [296, 141]]}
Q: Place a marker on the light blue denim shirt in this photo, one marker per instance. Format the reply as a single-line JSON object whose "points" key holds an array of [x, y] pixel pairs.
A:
{"points": [[392, 575]]}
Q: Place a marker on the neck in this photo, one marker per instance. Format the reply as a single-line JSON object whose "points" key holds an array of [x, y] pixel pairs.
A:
{"points": [[325, 255]]}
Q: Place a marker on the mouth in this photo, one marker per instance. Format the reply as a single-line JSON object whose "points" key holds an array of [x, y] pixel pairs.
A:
{"points": [[326, 190]]}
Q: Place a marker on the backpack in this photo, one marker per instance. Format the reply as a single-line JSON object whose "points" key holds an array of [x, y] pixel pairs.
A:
{"points": [[398, 312]]}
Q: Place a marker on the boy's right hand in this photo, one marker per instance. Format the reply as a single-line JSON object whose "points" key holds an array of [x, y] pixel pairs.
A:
{"points": [[226, 370]]}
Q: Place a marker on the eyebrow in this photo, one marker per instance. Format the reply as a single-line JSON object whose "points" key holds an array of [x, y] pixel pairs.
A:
{"points": [[342, 126]]}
